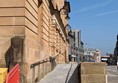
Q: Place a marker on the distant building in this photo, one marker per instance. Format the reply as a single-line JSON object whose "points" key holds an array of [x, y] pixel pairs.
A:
{"points": [[70, 45], [108, 59], [116, 52], [105, 58], [76, 45], [92, 54], [81, 51]]}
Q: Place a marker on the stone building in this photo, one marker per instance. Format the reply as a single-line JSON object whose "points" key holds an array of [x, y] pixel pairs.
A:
{"points": [[70, 45], [92, 54], [33, 33], [115, 58], [76, 45]]}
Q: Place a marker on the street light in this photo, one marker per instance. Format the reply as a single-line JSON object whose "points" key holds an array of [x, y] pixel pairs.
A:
{"points": [[69, 28], [87, 53], [53, 22]]}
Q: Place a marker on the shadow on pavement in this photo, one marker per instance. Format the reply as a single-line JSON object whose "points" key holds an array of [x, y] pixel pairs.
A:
{"points": [[75, 76]]}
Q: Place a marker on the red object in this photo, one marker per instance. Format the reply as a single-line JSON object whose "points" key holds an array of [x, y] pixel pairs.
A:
{"points": [[14, 75]]}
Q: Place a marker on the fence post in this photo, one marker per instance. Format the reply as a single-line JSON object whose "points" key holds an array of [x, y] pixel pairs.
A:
{"points": [[47, 67], [39, 72], [43, 69], [33, 76]]}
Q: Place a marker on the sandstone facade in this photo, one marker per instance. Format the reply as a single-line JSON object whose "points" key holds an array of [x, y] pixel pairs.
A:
{"points": [[41, 26]]}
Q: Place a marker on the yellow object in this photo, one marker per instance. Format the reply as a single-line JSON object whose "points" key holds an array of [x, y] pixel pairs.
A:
{"points": [[3, 74]]}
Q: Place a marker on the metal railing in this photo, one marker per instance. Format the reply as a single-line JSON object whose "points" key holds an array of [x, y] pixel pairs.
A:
{"points": [[50, 60]]}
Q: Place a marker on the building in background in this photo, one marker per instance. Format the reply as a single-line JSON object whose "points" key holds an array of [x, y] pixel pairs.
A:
{"points": [[81, 51], [70, 45], [76, 45], [92, 54], [32, 31], [115, 58], [108, 59]]}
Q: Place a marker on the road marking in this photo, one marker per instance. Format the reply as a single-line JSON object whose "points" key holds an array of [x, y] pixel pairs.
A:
{"points": [[106, 78]]}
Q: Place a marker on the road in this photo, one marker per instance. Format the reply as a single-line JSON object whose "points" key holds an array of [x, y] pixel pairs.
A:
{"points": [[112, 74], [58, 75]]}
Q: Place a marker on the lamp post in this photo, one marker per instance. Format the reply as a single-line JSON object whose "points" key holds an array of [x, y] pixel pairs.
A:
{"points": [[68, 27], [87, 54]]}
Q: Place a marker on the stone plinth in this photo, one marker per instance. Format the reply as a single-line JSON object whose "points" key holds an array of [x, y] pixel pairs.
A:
{"points": [[93, 72]]}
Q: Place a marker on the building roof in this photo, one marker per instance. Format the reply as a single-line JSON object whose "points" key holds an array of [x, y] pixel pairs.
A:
{"points": [[91, 49], [70, 34], [105, 56]]}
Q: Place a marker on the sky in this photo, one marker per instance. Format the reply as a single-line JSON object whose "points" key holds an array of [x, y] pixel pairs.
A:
{"points": [[98, 22]]}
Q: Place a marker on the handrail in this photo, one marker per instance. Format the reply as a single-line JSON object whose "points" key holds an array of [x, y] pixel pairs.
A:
{"points": [[48, 59], [39, 62]]}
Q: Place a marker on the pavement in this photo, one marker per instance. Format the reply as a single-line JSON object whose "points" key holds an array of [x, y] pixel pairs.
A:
{"points": [[68, 73], [112, 74], [61, 74]]}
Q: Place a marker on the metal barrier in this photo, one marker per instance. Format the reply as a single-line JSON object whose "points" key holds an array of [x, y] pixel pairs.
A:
{"points": [[14, 75]]}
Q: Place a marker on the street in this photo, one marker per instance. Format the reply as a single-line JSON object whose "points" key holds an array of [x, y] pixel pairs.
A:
{"points": [[112, 74]]}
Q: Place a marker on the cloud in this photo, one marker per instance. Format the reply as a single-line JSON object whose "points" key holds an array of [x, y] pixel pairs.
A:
{"points": [[107, 13], [94, 7]]}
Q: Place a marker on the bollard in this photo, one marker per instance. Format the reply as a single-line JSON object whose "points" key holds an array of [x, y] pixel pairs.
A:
{"points": [[39, 72], [33, 75]]}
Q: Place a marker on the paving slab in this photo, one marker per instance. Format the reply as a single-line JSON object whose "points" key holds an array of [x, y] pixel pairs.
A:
{"points": [[59, 74]]}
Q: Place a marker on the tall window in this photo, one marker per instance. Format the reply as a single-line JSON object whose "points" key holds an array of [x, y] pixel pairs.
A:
{"points": [[78, 38], [74, 36]]}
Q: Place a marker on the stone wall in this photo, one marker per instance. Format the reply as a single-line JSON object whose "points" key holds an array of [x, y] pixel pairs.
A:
{"points": [[12, 23], [31, 21], [31, 38]]}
